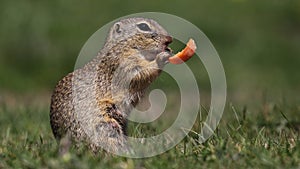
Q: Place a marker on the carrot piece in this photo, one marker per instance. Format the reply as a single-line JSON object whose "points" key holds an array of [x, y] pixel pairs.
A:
{"points": [[185, 54]]}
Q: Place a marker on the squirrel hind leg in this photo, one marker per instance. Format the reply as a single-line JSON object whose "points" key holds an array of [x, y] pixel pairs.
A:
{"points": [[110, 136]]}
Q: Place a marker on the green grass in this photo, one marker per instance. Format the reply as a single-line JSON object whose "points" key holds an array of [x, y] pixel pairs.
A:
{"points": [[261, 136], [258, 42]]}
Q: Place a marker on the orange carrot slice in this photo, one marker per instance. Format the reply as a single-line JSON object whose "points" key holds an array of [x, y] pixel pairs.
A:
{"points": [[185, 54]]}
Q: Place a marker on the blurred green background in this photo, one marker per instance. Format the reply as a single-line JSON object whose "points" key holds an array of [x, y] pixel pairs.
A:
{"points": [[258, 41]]}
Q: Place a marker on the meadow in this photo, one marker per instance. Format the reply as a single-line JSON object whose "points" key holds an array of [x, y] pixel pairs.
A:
{"points": [[258, 43]]}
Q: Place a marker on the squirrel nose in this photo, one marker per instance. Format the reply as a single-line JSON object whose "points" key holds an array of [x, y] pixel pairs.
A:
{"points": [[169, 39]]}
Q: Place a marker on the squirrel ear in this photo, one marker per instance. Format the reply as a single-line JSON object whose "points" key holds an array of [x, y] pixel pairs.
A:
{"points": [[117, 27]]}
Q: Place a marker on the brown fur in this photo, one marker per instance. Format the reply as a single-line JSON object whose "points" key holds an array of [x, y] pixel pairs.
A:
{"points": [[91, 104]]}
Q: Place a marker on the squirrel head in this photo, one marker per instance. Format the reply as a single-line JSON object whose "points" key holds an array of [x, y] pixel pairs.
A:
{"points": [[142, 34], [137, 50]]}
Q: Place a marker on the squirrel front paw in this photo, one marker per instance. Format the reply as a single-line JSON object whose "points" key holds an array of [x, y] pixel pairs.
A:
{"points": [[162, 58]]}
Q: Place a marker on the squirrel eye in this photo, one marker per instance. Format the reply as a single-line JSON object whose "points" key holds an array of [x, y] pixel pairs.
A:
{"points": [[143, 27]]}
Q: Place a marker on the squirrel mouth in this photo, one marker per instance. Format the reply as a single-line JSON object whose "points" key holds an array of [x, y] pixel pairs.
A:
{"points": [[169, 40], [151, 55], [168, 49]]}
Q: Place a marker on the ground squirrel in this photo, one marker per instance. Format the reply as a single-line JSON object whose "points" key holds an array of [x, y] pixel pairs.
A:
{"points": [[91, 104]]}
